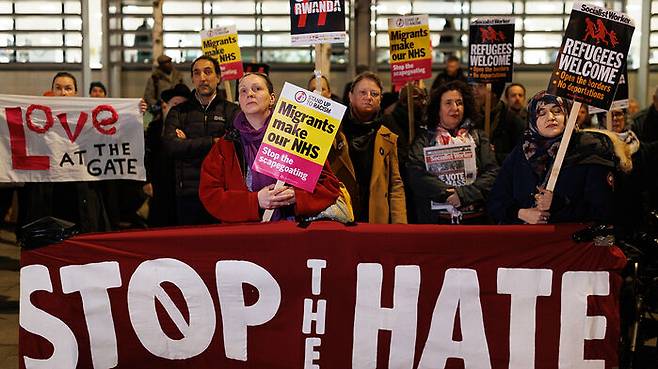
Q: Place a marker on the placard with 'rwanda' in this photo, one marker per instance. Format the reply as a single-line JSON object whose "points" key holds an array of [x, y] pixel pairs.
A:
{"points": [[410, 48], [317, 22], [491, 50], [299, 137], [222, 44], [593, 55]]}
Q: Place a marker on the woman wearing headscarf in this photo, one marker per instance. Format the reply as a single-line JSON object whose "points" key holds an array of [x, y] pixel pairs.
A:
{"points": [[450, 116], [584, 189], [231, 191]]}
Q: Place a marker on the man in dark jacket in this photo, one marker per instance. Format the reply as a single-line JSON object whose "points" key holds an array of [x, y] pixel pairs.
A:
{"points": [[453, 71], [506, 126], [645, 123], [191, 129]]}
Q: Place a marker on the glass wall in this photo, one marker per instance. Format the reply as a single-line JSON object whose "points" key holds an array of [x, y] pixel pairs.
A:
{"points": [[50, 31], [263, 30], [539, 25], [40, 32]]}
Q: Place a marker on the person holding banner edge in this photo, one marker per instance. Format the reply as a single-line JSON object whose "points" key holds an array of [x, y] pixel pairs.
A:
{"points": [[364, 156], [78, 202], [450, 116], [584, 190], [231, 191]]}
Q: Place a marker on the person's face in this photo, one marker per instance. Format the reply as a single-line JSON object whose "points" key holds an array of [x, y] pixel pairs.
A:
{"points": [[64, 86], [451, 109], [618, 120], [253, 95], [550, 120], [204, 78], [583, 113], [452, 67], [166, 106], [167, 67], [365, 97], [97, 92], [480, 95], [516, 98], [326, 92]]}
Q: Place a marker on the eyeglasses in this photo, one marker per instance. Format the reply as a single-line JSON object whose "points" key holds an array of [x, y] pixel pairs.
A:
{"points": [[617, 115], [365, 93]]}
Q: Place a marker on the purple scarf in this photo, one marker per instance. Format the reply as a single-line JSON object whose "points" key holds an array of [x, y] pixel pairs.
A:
{"points": [[251, 139]]}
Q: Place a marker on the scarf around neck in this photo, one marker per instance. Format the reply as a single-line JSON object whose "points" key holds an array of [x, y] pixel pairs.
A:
{"points": [[538, 150]]}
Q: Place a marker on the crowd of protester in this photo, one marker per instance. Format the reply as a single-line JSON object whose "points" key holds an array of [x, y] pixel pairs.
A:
{"points": [[200, 149]]}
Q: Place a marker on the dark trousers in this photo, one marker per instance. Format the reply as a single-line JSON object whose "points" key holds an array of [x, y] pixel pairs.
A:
{"points": [[190, 211]]}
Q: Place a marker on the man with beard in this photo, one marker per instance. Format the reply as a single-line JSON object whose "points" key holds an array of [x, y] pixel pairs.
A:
{"points": [[516, 102], [453, 71], [506, 126], [191, 128]]}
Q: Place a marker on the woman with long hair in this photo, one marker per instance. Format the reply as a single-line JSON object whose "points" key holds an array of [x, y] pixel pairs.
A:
{"points": [[457, 186]]}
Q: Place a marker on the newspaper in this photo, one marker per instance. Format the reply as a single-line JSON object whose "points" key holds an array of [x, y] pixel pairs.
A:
{"points": [[453, 164]]}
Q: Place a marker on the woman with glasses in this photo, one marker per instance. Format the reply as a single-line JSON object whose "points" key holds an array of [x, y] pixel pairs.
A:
{"points": [[231, 191], [451, 164], [364, 156], [584, 189]]}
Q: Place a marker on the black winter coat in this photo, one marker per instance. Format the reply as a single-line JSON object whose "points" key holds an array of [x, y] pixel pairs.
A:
{"points": [[426, 187], [583, 192], [200, 126]]}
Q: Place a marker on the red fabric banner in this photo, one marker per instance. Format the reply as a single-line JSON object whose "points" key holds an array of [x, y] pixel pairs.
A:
{"points": [[329, 296]]}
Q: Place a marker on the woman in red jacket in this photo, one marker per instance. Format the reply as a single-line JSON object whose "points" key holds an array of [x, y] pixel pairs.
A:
{"points": [[231, 191]]}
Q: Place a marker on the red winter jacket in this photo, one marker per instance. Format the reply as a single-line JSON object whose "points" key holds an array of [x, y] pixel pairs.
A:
{"points": [[224, 194]]}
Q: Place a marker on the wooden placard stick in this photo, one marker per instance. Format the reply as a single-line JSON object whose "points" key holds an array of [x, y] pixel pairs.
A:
{"points": [[267, 215], [318, 81], [487, 111], [564, 144], [229, 93], [608, 121], [410, 111]]}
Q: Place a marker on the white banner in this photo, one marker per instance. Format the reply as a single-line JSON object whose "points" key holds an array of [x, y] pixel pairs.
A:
{"points": [[59, 139]]}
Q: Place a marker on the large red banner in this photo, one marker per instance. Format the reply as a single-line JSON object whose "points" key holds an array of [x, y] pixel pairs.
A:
{"points": [[328, 296]]}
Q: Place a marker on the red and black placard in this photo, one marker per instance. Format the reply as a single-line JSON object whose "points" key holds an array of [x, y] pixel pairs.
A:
{"points": [[491, 50], [593, 55], [317, 21]]}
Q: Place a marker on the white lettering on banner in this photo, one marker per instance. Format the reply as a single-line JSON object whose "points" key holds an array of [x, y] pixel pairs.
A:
{"points": [[575, 325], [370, 317], [145, 287], [65, 347], [318, 316], [523, 286], [236, 316], [93, 281], [460, 290], [316, 266], [310, 354]]}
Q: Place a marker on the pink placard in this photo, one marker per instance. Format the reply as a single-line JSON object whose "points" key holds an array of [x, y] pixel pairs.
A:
{"points": [[286, 167]]}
